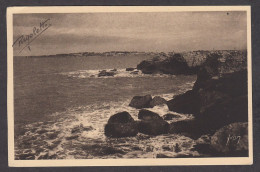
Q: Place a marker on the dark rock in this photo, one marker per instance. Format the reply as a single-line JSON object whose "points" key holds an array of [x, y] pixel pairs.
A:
{"points": [[140, 102], [231, 139], [113, 70], [148, 115], [105, 73], [218, 98], [121, 117], [157, 100], [121, 125], [170, 116], [130, 69], [205, 149], [151, 123], [121, 129], [153, 126], [172, 64], [186, 103]]}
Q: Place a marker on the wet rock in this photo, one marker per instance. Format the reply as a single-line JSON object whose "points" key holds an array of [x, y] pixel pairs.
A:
{"points": [[167, 64], [121, 129], [140, 102], [170, 116], [153, 127], [186, 103], [157, 100], [105, 73], [218, 97], [205, 149], [121, 117], [151, 123], [130, 69], [121, 125], [231, 140], [148, 115]]}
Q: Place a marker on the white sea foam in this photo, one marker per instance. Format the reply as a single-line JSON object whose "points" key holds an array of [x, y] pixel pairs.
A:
{"points": [[118, 73], [79, 133]]}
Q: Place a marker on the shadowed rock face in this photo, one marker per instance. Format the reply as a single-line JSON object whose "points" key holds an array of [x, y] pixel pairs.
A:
{"points": [[121, 117], [121, 125], [218, 98], [140, 102], [232, 138], [157, 100], [151, 123], [172, 64], [148, 115]]}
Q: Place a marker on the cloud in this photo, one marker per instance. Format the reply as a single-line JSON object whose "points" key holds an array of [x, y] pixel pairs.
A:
{"points": [[134, 31]]}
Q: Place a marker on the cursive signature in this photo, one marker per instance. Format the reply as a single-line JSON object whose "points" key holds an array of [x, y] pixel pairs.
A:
{"points": [[233, 139], [24, 41]]}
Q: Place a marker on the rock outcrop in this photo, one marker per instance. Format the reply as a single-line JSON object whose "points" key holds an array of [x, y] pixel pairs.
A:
{"points": [[121, 125], [229, 141], [157, 100], [168, 64], [151, 123], [219, 95], [140, 102]]}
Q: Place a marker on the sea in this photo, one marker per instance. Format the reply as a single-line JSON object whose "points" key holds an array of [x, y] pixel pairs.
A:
{"points": [[61, 107]]}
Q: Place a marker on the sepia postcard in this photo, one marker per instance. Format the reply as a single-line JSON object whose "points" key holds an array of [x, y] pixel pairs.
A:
{"points": [[129, 86]]}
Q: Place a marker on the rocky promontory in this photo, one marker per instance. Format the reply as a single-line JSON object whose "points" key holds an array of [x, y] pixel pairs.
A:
{"points": [[218, 97]]}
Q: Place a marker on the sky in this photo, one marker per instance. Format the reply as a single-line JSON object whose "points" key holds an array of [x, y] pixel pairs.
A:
{"points": [[136, 31]]}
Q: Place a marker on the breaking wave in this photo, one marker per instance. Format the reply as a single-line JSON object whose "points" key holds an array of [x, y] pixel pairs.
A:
{"points": [[78, 133]]}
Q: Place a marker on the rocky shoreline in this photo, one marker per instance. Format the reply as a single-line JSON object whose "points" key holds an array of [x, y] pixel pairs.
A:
{"points": [[218, 102]]}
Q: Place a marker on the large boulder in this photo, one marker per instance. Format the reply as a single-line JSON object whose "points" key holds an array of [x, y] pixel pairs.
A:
{"points": [[171, 64], [121, 125], [148, 115], [157, 100], [231, 140], [121, 117], [186, 103], [140, 102], [151, 123]]}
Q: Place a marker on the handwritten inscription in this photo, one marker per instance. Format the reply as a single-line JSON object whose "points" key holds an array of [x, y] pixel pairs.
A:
{"points": [[233, 139], [24, 41]]}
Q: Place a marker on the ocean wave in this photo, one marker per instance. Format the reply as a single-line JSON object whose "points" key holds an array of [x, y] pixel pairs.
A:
{"points": [[78, 133], [118, 73]]}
